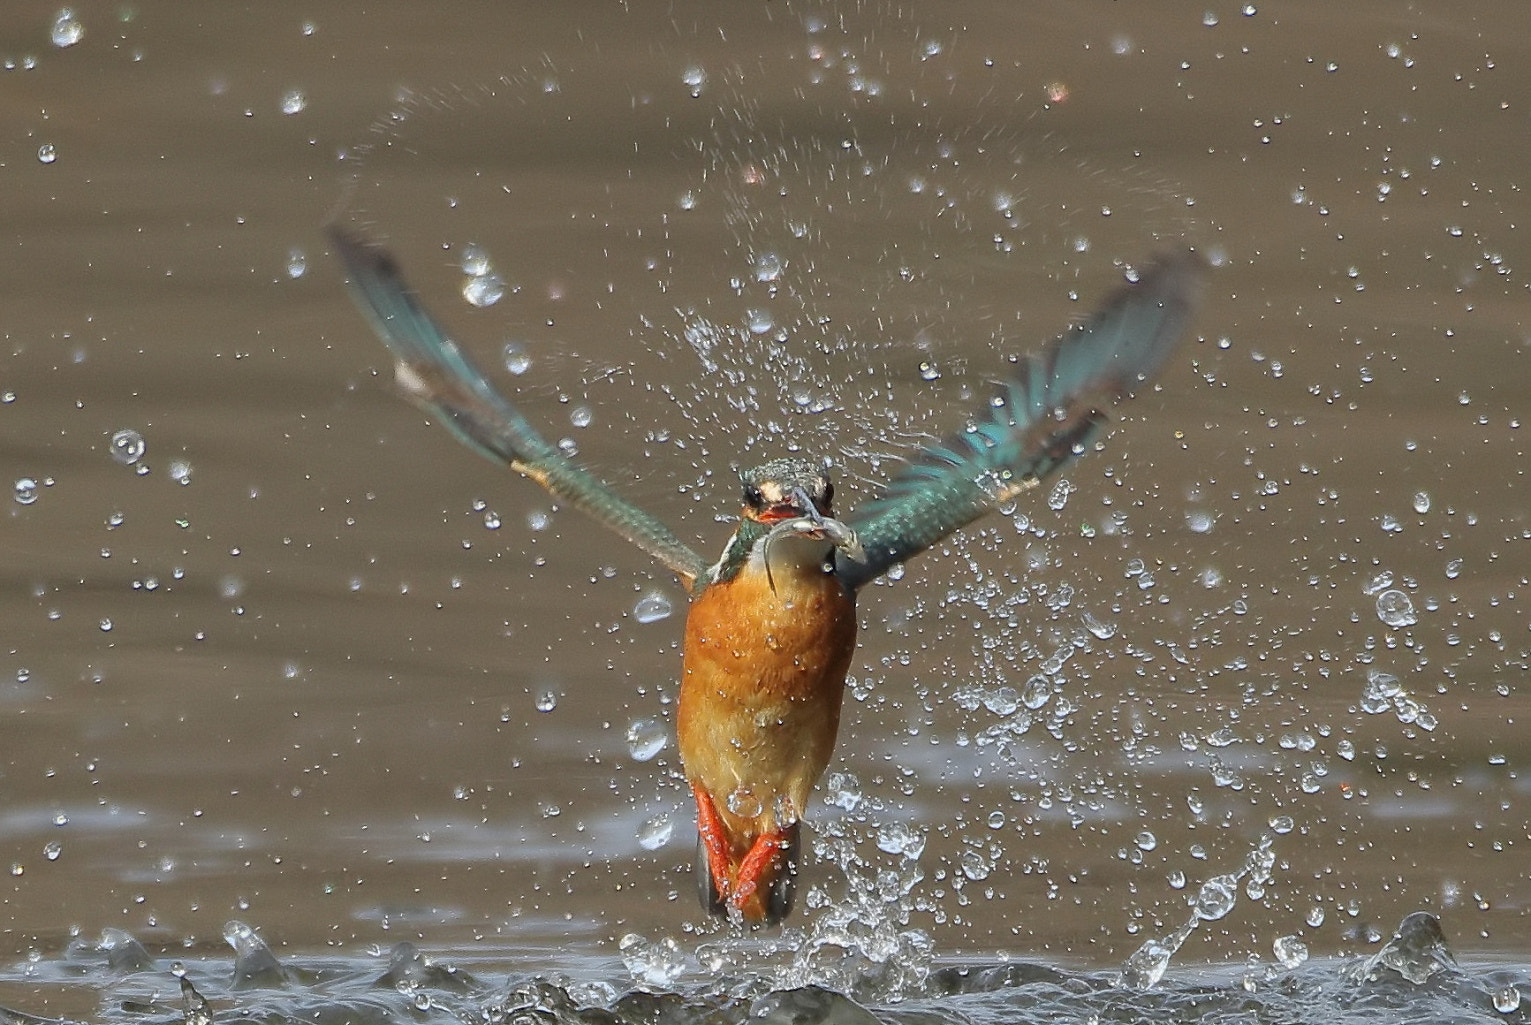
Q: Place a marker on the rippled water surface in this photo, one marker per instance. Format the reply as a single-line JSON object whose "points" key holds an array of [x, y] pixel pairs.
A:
{"points": [[1188, 736]]}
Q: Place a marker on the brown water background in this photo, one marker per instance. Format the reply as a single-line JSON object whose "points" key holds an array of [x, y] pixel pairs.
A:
{"points": [[290, 674]]}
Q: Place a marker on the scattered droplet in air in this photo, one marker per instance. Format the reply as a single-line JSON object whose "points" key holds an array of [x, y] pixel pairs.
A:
{"points": [[475, 261], [901, 838], [974, 865], [1036, 692], [26, 491], [758, 321], [695, 78], [546, 701], [67, 29], [46, 153], [1209, 19], [294, 101], [655, 832], [646, 738], [1217, 897], [1395, 609], [180, 471], [1422, 502], [52, 849], [652, 607], [483, 290], [516, 361], [842, 790], [297, 263]]}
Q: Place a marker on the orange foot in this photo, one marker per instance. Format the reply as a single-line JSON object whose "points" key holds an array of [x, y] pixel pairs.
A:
{"points": [[763, 883]]}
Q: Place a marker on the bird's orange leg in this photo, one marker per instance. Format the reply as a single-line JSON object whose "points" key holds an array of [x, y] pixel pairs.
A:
{"points": [[714, 838], [762, 854]]}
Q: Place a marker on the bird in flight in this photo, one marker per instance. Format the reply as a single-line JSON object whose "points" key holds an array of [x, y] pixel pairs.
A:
{"points": [[772, 623]]}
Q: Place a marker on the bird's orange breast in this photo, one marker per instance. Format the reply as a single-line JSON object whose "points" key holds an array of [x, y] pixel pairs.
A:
{"points": [[761, 684]]}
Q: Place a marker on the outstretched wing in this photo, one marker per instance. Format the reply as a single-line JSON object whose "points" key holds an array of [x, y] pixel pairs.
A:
{"points": [[1043, 416], [440, 378]]}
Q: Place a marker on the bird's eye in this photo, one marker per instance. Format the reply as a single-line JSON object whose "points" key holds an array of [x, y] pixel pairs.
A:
{"points": [[752, 496]]}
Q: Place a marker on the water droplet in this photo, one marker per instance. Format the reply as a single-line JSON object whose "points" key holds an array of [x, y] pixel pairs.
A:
{"points": [[758, 321], [483, 290], [1036, 692], [106, 625], [1002, 700], [1507, 1000], [516, 361], [1314, 917], [657, 965], [60, 819], [1453, 569], [491, 520], [1290, 951], [768, 267], [842, 790], [695, 78], [655, 831], [901, 838], [546, 701], [1102, 631], [687, 201], [67, 29], [1146, 841], [1200, 521], [1217, 897], [646, 738], [26, 491], [52, 849], [475, 261], [180, 471], [294, 101], [297, 263], [1209, 18], [974, 865], [1059, 496], [46, 153], [1395, 609], [652, 607], [1381, 690]]}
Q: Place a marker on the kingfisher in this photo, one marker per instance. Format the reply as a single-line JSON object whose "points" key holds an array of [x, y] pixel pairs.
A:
{"points": [[771, 629]]}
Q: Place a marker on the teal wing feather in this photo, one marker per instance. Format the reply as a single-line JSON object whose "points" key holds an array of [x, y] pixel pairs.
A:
{"points": [[1043, 417], [435, 374]]}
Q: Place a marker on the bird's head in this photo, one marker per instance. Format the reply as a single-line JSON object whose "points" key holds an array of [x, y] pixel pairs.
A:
{"points": [[787, 489]]}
